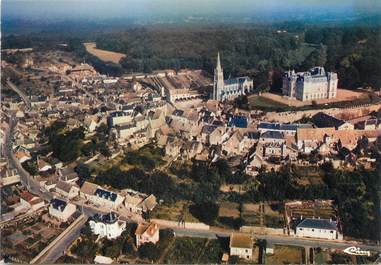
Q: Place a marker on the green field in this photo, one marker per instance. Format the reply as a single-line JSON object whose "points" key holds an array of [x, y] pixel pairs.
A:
{"points": [[286, 255], [194, 250], [266, 104]]}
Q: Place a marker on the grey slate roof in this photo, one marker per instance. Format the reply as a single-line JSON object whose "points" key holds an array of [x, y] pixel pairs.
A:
{"points": [[317, 224], [58, 204], [272, 135]]}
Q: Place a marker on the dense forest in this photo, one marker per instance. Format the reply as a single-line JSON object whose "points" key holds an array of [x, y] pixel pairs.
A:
{"points": [[260, 51]]}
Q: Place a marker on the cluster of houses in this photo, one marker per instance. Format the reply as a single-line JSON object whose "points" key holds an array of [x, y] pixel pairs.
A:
{"points": [[141, 109]]}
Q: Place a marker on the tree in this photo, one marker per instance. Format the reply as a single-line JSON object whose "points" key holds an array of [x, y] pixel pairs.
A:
{"points": [[86, 250], [149, 251], [83, 172], [206, 212], [31, 167]]}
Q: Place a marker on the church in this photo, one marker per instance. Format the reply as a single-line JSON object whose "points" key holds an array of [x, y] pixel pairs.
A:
{"points": [[230, 88]]}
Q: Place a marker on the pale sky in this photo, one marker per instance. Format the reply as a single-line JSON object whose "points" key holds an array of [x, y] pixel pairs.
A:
{"points": [[108, 9]]}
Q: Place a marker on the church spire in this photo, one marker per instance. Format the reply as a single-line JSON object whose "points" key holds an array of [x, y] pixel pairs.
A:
{"points": [[218, 61]]}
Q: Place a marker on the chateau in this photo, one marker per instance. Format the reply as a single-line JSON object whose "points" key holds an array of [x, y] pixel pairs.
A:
{"points": [[230, 88], [310, 85]]}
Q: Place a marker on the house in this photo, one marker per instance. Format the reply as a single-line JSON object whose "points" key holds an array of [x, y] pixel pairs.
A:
{"points": [[269, 248], [156, 120], [67, 190], [286, 129], [272, 137], [323, 120], [238, 122], [173, 147], [68, 174], [233, 145], [241, 245], [103, 260], [22, 155], [216, 137], [147, 233], [308, 139], [318, 228], [87, 190], [50, 184], [107, 225], [30, 202], [106, 198], [205, 133], [61, 210], [90, 123], [42, 165], [138, 202]]}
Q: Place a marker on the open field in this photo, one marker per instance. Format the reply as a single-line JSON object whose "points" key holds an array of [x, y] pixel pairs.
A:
{"points": [[174, 212], [103, 55], [286, 255], [229, 209], [251, 213], [194, 250], [266, 103]]}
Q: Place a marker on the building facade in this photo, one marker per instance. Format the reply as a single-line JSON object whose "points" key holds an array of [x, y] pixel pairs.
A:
{"points": [[61, 210], [146, 233], [241, 245], [107, 225], [318, 228], [311, 85], [230, 88]]}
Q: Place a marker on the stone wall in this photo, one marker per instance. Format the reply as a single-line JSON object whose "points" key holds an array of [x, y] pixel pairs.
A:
{"points": [[342, 113], [185, 225]]}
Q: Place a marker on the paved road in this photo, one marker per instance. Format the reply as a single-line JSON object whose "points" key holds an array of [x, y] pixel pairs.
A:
{"points": [[20, 93], [32, 184], [58, 249], [179, 232]]}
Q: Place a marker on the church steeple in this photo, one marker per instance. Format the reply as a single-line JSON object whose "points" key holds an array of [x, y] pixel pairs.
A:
{"points": [[218, 84], [218, 62]]}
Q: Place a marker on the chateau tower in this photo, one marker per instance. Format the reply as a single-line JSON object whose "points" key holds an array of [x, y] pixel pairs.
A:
{"points": [[218, 84]]}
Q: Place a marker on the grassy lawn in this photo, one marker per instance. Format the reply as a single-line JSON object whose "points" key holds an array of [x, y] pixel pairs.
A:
{"points": [[194, 250], [272, 217], [299, 55], [286, 255], [173, 212], [266, 104]]}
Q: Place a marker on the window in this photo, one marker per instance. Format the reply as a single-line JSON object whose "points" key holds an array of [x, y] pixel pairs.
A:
{"points": [[247, 251], [301, 229], [331, 232], [313, 230]]}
